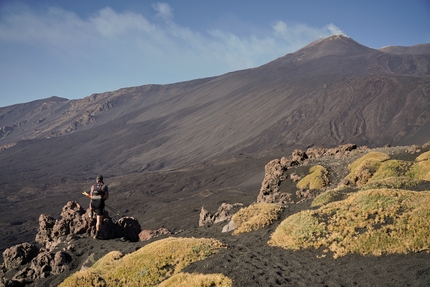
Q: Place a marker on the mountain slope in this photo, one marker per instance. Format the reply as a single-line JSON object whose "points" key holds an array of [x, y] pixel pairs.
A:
{"points": [[330, 92]]}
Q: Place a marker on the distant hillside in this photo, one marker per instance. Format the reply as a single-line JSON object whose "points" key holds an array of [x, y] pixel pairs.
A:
{"points": [[330, 92]]}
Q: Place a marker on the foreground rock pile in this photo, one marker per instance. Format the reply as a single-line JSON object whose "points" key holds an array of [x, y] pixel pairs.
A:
{"points": [[51, 254]]}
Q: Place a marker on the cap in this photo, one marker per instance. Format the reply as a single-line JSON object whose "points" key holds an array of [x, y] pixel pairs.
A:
{"points": [[99, 178]]}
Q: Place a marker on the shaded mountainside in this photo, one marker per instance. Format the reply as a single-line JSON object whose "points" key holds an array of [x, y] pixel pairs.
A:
{"points": [[330, 92]]}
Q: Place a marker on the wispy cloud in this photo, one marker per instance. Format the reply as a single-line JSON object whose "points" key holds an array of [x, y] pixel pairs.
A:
{"points": [[157, 50]]}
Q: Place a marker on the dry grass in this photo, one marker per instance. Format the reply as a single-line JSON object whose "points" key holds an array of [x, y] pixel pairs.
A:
{"points": [[316, 179], [326, 197], [377, 221], [421, 167], [391, 168], [197, 280], [147, 266], [401, 182], [365, 167], [255, 216]]}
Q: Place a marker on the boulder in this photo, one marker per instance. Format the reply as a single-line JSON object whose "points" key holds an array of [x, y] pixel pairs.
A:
{"points": [[205, 217], [41, 265], [19, 254], [129, 228], [145, 235], [46, 224], [230, 226], [75, 220], [298, 156], [273, 176], [224, 213]]}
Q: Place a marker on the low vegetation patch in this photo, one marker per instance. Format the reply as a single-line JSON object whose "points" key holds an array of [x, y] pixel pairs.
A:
{"points": [[255, 216], [148, 266], [326, 197], [369, 222], [421, 167], [362, 170], [391, 168], [200, 280], [316, 179], [402, 182]]}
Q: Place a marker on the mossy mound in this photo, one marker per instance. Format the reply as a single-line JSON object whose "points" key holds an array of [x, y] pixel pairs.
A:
{"points": [[421, 167], [255, 216], [326, 197], [148, 266], [197, 280], [376, 221], [401, 182], [362, 170], [316, 179], [391, 168]]}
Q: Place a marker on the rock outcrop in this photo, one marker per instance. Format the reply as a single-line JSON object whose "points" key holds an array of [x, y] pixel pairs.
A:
{"points": [[55, 237], [145, 235], [224, 213], [19, 254], [275, 171]]}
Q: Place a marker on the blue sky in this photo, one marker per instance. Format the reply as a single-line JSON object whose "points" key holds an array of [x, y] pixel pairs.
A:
{"points": [[73, 49]]}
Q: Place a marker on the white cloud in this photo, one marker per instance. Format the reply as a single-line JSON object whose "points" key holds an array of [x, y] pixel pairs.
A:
{"points": [[128, 48], [164, 10], [299, 35]]}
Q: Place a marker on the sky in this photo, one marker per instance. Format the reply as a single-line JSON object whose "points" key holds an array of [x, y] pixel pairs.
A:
{"points": [[72, 49]]}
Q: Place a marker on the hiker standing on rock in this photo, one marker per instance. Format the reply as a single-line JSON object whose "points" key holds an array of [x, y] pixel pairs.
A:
{"points": [[99, 194]]}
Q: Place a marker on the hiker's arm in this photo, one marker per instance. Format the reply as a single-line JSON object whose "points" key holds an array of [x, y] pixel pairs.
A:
{"points": [[90, 195], [86, 194]]}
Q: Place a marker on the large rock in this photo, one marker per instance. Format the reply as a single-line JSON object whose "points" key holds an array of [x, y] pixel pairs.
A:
{"points": [[145, 235], [224, 213], [55, 236], [273, 176], [73, 221], [205, 217], [230, 226], [129, 228], [19, 254]]}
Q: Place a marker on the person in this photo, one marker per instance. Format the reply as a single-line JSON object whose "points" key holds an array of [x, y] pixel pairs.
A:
{"points": [[99, 194]]}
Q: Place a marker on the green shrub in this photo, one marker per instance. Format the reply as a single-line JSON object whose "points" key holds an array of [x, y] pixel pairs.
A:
{"points": [[316, 179], [377, 221], [326, 197], [402, 182], [147, 266], [391, 168], [255, 216], [362, 170], [421, 167]]}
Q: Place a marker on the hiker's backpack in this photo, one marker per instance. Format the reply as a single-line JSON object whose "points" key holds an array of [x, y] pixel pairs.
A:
{"points": [[98, 190]]}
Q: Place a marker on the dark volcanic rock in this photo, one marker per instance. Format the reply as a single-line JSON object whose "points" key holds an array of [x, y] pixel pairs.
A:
{"points": [[56, 236], [19, 254], [275, 173], [129, 228]]}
